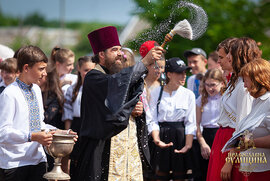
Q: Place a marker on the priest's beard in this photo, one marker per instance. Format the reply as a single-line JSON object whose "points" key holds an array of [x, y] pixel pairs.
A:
{"points": [[114, 65]]}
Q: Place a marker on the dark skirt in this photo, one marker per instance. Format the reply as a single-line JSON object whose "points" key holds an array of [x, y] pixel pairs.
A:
{"points": [[209, 136], [196, 161], [165, 160]]}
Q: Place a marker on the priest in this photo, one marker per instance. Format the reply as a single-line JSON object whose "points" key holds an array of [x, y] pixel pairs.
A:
{"points": [[113, 143]]}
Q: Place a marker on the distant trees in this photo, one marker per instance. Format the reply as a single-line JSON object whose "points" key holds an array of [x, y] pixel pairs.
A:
{"points": [[37, 19], [8, 21], [227, 18]]}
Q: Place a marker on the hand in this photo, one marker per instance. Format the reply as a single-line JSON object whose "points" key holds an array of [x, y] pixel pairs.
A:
{"points": [[42, 137], [154, 54], [205, 151], [161, 144], [225, 173], [183, 150], [138, 110]]}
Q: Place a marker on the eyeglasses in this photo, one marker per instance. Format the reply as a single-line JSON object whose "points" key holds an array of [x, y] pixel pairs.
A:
{"points": [[211, 85]]}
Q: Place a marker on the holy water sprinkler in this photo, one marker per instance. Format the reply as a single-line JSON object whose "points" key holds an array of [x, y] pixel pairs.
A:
{"points": [[182, 28]]}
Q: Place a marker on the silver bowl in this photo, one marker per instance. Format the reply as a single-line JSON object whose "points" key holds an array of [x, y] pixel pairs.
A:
{"points": [[62, 145]]}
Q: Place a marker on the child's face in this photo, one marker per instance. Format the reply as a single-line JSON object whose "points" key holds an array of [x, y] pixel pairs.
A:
{"points": [[86, 67], [36, 73], [212, 64], [197, 64], [8, 77], [224, 61], [66, 67], [213, 86], [177, 79], [159, 68], [154, 70]]}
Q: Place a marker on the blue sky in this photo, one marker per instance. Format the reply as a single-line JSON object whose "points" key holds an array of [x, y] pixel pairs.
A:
{"points": [[113, 11]]}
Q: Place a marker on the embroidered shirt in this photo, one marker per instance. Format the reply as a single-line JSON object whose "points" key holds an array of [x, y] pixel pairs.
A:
{"points": [[32, 102], [15, 149]]}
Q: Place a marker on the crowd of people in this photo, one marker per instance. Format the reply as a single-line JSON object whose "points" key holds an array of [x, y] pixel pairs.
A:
{"points": [[137, 120]]}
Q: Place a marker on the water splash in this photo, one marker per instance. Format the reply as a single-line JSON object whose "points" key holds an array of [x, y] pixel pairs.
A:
{"points": [[197, 18]]}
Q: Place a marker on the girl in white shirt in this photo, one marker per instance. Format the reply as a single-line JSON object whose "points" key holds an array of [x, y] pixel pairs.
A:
{"points": [[72, 105], [63, 60], [173, 123], [235, 105], [207, 113]]}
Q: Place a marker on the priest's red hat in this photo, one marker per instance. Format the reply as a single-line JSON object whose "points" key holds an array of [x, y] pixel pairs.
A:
{"points": [[103, 38], [147, 46]]}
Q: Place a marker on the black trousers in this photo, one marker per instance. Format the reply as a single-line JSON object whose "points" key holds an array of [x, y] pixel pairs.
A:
{"points": [[24, 173]]}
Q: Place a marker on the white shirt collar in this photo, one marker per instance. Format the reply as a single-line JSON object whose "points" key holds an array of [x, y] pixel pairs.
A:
{"points": [[265, 96]]}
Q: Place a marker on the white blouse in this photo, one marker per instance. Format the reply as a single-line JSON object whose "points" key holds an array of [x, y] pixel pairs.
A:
{"points": [[211, 111], [177, 107], [15, 150], [72, 109], [71, 77], [235, 105]]}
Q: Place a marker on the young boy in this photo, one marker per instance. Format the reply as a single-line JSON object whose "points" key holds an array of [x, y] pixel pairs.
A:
{"points": [[21, 112], [9, 72], [196, 58]]}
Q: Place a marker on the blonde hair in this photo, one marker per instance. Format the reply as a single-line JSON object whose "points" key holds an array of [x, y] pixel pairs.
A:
{"points": [[259, 73], [128, 57], [215, 74], [61, 55], [9, 65]]}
